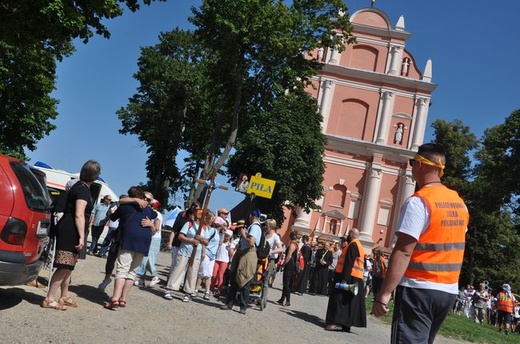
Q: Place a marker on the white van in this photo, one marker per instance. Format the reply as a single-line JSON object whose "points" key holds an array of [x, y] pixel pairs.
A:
{"points": [[56, 180]]}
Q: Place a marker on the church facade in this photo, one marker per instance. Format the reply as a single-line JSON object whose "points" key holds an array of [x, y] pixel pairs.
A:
{"points": [[374, 101]]}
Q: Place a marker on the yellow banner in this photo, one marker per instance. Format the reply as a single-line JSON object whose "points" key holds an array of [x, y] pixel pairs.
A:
{"points": [[261, 187]]}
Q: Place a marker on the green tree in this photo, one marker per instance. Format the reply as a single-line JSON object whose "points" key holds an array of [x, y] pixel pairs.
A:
{"points": [[286, 145], [33, 35], [260, 49], [495, 194], [251, 52], [170, 111]]}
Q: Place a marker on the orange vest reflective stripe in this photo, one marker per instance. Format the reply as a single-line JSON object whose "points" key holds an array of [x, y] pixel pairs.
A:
{"points": [[439, 252], [505, 304], [357, 268]]}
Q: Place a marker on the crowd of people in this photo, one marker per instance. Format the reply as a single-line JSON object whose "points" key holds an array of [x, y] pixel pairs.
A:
{"points": [[421, 274], [499, 308]]}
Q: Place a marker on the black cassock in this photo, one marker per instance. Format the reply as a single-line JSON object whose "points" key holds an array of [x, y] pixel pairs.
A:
{"points": [[320, 281], [345, 308]]}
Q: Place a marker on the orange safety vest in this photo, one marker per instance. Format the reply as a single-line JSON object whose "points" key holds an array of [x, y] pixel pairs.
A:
{"points": [[505, 303], [439, 252], [357, 268], [381, 261]]}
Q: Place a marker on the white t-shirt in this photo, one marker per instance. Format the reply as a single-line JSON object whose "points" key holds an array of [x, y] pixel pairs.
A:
{"points": [[223, 253], [158, 234], [414, 220], [273, 244]]}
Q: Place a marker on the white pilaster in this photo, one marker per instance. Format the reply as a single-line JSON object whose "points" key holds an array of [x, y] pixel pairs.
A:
{"points": [[370, 202], [396, 53], [327, 87], [303, 220], [386, 116], [421, 115], [406, 189]]}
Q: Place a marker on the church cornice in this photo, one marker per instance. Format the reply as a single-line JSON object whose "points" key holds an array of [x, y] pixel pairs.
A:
{"points": [[379, 78], [355, 146], [376, 31]]}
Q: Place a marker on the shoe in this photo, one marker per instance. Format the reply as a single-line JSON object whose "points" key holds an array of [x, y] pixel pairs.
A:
{"points": [[243, 311], [112, 304], [298, 293], [186, 298], [68, 301], [280, 302], [332, 327], [53, 305], [194, 294], [139, 282], [225, 308], [206, 296], [102, 286], [287, 304], [122, 303], [168, 296], [154, 281]]}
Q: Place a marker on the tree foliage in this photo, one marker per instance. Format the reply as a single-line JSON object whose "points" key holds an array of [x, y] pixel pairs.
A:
{"points": [[489, 187], [251, 52], [286, 145], [33, 35]]}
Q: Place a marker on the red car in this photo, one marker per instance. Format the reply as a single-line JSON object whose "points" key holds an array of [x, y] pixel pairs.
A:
{"points": [[24, 221]]}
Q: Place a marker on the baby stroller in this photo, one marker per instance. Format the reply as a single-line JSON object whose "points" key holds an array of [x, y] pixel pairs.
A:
{"points": [[259, 285]]}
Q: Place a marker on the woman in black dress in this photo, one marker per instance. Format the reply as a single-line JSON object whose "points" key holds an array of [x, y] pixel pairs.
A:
{"points": [[70, 236], [289, 269]]}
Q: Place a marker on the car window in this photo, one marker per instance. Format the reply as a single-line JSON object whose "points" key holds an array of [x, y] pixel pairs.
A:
{"points": [[36, 195]]}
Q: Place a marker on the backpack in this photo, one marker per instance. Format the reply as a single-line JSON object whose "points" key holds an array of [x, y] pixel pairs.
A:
{"points": [[263, 248]]}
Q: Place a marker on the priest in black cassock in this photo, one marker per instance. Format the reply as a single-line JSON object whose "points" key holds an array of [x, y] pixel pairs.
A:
{"points": [[346, 308], [319, 284]]}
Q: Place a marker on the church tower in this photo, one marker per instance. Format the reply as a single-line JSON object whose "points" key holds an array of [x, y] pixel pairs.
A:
{"points": [[374, 101]]}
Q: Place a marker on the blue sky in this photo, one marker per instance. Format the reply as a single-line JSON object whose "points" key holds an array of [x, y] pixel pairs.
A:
{"points": [[473, 45]]}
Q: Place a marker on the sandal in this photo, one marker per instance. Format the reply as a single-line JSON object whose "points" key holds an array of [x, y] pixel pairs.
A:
{"points": [[53, 305], [112, 304], [68, 301], [122, 303], [35, 284]]}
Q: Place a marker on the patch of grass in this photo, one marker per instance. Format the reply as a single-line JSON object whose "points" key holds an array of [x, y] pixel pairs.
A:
{"points": [[461, 328]]}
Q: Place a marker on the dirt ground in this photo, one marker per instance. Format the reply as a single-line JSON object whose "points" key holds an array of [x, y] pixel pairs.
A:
{"points": [[149, 318]]}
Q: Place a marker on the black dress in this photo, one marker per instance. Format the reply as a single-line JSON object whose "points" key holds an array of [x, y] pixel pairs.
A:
{"points": [[345, 308], [67, 236], [289, 271], [321, 272]]}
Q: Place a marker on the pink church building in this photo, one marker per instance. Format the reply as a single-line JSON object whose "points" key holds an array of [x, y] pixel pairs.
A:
{"points": [[374, 101]]}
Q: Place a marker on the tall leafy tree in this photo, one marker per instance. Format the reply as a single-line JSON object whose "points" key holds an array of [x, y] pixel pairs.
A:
{"points": [[260, 49], [33, 35], [251, 52], [170, 111], [286, 145]]}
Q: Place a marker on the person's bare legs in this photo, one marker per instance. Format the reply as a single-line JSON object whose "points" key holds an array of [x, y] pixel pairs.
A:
{"points": [[56, 282], [65, 286], [118, 288], [126, 289]]}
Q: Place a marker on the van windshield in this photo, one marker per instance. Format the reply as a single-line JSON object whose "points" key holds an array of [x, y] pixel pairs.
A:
{"points": [[36, 195]]}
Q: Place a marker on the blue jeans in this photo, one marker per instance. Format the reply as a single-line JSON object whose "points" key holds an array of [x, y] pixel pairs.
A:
{"points": [[95, 234], [234, 288], [153, 251], [108, 239]]}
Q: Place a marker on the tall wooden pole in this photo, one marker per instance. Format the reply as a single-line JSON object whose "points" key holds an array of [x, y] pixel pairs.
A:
{"points": [[202, 223]]}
